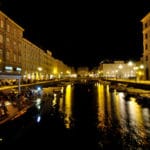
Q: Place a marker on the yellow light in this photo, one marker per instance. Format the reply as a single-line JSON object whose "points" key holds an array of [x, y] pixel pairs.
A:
{"points": [[120, 67], [55, 70], [130, 63], [141, 66], [39, 68], [68, 72], [140, 73]]}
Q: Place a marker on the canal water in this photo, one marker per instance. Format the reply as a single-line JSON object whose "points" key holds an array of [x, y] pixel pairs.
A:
{"points": [[87, 115]]}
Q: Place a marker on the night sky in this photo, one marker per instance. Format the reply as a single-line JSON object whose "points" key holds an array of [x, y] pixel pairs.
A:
{"points": [[82, 33]]}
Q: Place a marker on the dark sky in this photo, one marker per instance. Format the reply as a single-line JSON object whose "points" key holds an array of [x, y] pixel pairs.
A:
{"points": [[82, 33]]}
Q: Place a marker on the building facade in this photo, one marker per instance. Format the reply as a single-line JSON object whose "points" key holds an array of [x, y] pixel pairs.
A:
{"points": [[118, 70], [20, 56], [146, 44], [10, 45]]}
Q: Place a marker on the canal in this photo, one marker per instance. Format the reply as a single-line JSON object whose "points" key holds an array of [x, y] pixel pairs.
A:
{"points": [[86, 116]]}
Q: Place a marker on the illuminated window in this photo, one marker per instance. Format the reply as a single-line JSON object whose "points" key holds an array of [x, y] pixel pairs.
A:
{"points": [[2, 24], [18, 69], [1, 38], [7, 39], [8, 68]]}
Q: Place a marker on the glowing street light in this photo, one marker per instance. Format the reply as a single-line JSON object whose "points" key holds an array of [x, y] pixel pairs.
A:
{"points": [[130, 63], [68, 72], [39, 69]]}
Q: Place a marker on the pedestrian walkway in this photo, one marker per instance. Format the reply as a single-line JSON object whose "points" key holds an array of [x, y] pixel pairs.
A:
{"points": [[13, 112]]}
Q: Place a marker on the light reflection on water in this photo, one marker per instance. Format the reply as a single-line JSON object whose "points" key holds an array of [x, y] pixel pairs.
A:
{"points": [[90, 111], [101, 108], [115, 115], [119, 121], [136, 124], [128, 117], [65, 106]]}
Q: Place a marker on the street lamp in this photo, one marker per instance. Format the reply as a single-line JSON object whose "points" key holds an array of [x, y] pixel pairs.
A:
{"points": [[39, 69], [130, 63]]}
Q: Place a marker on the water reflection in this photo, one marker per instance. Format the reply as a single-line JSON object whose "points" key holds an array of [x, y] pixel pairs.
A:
{"points": [[146, 120], [66, 105], [101, 108], [38, 106], [125, 120], [121, 123], [137, 129], [54, 101], [91, 112]]}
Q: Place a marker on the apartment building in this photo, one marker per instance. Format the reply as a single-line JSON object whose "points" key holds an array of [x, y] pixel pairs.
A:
{"points": [[19, 56], [10, 45], [146, 44], [118, 69]]}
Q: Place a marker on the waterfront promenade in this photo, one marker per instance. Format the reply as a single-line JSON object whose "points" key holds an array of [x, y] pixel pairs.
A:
{"points": [[14, 111]]}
